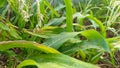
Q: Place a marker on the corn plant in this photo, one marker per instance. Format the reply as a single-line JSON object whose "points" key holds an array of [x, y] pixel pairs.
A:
{"points": [[61, 28]]}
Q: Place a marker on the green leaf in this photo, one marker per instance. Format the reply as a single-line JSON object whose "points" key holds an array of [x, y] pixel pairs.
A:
{"points": [[14, 4], [98, 22], [52, 58], [52, 30], [51, 8], [93, 20], [4, 27], [56, 21], [2, 3], [11, 30], [26, 44], [14, 33], [27, 63], [96, 57], [71, 48], [55, 61], [96, 39], [58, 40]]}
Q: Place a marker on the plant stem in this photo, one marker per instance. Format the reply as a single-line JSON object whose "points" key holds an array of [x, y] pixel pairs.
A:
{"points": [[69, 13]]}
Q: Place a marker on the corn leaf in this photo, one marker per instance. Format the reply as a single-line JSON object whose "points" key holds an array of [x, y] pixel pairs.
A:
{"points": [[58, 40], [54, 61], [26, 44], [94, 40]]}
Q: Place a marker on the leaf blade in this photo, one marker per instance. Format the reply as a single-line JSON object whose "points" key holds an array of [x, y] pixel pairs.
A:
{"points": [[57, 61]]}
